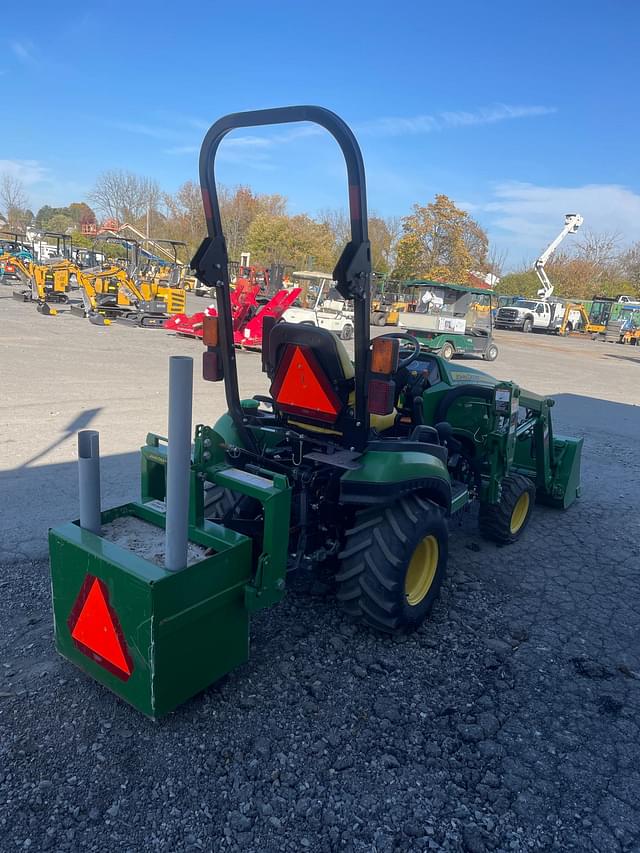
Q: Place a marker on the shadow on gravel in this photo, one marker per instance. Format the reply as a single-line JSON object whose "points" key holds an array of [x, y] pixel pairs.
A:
{"points": [[36, 497], [80, 422]]}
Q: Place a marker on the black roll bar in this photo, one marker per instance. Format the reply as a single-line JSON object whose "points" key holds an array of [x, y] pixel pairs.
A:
{"points": [[352, 272]]}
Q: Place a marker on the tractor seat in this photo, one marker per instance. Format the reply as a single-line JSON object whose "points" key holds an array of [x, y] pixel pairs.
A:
{"points": [[312, 379]]}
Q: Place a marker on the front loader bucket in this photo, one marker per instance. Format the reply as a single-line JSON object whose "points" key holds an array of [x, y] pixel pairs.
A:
{"points": [[565, 484], [155, 638]]}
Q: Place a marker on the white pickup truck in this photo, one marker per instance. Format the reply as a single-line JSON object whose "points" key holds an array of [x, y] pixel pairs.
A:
{"points": [[528, 315]]}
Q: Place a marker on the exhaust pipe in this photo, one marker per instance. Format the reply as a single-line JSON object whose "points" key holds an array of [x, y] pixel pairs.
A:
{"points": [[178, 461]]}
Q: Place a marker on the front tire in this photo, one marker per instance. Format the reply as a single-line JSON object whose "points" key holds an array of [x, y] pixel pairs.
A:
{"points": [[448, 351], [393, 565], [527, 326], [506, 521]]}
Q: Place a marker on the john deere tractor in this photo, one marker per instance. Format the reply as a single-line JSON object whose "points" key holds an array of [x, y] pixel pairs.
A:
{"points": [[357, 466]]}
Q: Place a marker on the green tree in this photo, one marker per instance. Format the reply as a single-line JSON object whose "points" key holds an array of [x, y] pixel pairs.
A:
{"points": [[60, 223], [291, 240], [239, 208], [442, 242]]}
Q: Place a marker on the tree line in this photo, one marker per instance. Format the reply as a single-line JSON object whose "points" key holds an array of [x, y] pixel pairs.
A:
{"points": [[437, 240]]}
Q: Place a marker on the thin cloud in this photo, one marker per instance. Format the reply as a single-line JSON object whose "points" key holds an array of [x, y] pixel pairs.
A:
{"points": [[28, 171], [251, 149], [527, 215], [421, 124], [143, 129], [24, 50]]}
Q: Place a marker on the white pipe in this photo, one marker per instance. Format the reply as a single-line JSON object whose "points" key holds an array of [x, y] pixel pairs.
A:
{"points": [[178, 461], [89, 479]]}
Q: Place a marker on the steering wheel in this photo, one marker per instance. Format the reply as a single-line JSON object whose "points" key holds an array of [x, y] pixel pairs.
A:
{"points": [[415, 343]]}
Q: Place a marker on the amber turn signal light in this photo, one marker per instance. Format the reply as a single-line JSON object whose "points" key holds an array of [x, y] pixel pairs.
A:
{"points": [[210, 331], [384, 355]]}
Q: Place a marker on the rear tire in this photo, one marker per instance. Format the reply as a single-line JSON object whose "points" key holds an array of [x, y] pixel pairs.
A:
{"points": [[379, 319], [506, 521], [393, 565], [219, 502], [491, 353]]}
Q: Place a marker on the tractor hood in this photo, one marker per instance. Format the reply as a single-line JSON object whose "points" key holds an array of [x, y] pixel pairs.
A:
{"points": [[459, 375]]}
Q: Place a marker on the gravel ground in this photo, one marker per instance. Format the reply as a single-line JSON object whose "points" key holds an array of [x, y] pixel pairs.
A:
{"points": [[509, 722]]}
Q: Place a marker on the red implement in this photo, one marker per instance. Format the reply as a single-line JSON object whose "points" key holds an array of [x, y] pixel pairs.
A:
{"points": [[243, 301], [251, 335], [246, 313]]}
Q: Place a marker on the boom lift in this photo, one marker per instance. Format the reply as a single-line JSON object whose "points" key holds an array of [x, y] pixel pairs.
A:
{"points": [[572, 221]]}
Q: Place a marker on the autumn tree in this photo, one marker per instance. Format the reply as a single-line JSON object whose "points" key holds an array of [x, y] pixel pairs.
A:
{"points": [[185, 216], [337, 221], [297, 240], [441, 242], [383, 235], [630, 266], [239, 208]]}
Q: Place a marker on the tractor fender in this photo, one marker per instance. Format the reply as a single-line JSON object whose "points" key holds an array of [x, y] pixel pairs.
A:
{"points": [[384, 476], [226, 432]]}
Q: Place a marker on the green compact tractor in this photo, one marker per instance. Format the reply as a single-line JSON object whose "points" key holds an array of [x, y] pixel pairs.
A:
{"points": [[356, 466]]}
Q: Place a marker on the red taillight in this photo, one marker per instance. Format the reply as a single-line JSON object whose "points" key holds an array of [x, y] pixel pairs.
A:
{"points": [[212, 366], [381, 396]]}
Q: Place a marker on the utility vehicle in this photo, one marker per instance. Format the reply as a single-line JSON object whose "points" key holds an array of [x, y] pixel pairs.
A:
{"points": [[452, 319]]}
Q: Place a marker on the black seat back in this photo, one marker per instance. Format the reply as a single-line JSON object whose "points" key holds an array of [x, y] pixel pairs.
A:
{"points": [[312, 377]]}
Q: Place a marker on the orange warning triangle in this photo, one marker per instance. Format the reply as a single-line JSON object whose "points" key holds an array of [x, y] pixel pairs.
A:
{"points": [[97, 631], [301, 387]]}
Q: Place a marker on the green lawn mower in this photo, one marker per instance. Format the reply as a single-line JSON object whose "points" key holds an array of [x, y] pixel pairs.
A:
{"points": [[351, 466]]}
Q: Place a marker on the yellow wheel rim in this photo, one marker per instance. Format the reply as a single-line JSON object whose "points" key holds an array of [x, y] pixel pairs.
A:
{"points": [[520, 511], [422, 570]]}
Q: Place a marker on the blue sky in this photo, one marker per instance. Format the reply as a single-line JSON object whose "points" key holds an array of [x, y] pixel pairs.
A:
{"points": [[520, 111]]}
